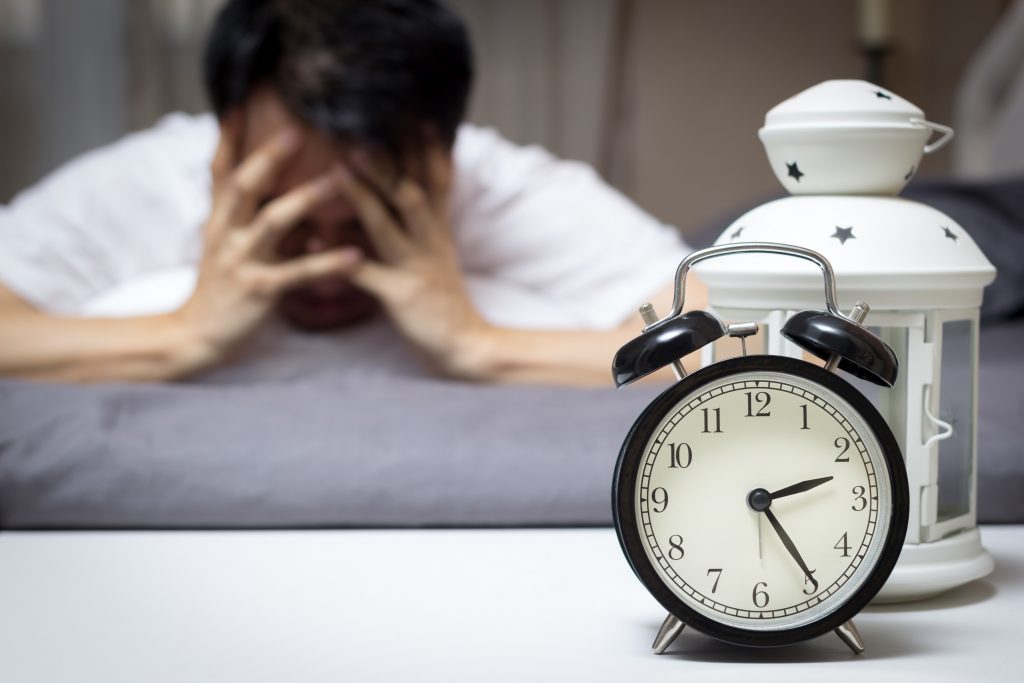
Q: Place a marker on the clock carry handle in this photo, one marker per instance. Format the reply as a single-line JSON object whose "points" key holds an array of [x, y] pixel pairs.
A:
{"points": [[696, 257], [827, 334]]}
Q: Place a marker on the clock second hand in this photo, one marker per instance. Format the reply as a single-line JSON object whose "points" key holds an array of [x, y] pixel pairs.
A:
{"points": [[760, 556]]}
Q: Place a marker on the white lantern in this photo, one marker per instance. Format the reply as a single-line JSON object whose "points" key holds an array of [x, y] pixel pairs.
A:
{"points": [[923, 277]]}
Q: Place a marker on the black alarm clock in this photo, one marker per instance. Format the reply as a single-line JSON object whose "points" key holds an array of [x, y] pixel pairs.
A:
{"points": [[762, 500]]}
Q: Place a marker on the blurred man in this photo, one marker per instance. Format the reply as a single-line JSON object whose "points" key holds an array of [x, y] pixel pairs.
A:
{"points": [[336, 180]]}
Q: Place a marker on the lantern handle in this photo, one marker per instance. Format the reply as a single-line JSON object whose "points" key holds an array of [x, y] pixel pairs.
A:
{"points": [[944, 429], [751, 248]]}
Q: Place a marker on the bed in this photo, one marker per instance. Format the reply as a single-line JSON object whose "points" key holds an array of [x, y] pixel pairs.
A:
{"points": [[349, 430]]}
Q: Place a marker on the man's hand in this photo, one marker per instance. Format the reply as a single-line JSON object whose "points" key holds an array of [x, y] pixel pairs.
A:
{"points": [[239, 280], [417, 278]]}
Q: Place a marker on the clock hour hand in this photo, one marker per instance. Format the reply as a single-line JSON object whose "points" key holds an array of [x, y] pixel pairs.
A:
{"points": [[788, 542], [798, 488]]}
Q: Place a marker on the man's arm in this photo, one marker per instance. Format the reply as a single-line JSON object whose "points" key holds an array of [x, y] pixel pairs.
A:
{"points": [[418, 280], [239, 283], [498, 354], [40, 346]]}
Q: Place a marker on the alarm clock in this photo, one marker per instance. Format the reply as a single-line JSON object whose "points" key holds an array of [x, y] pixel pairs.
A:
{"points": [[762, 500]]}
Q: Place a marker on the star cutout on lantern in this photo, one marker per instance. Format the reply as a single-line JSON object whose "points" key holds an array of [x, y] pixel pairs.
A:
{"points": [[843, 234], [950, 234], [793, 171], [910, 173], [882, 95], [738, 231]]}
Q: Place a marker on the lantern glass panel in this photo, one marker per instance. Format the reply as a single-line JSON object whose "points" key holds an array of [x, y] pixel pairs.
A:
{"points": [[956, 408]]}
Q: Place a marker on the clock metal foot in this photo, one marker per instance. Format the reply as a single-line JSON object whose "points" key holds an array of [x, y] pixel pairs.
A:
{"points": [[669, 631], [851, 636]]}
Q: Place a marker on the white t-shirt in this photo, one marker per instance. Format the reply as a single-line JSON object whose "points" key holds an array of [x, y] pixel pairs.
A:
{"points": [[543, 243]]}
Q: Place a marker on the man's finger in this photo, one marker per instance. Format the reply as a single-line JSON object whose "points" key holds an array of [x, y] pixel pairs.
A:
{"points": [[277, 217], [406, 197], [376, 174], [281, 276], [376, 279], [376, 219], [439, 177], [224, 157], [254, 177], [414, 207], [221, 167]]}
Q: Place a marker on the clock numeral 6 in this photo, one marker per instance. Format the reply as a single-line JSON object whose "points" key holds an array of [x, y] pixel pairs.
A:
{"points": [[659, 496], [759, 596], [675, 547], [676, 460]]}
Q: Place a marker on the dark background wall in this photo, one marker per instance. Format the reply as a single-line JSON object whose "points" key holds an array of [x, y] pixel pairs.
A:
{"points": [[663, 96]]}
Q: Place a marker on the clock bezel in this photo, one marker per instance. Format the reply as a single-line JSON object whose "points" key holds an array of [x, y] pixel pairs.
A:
{"points": [[628, 466]]}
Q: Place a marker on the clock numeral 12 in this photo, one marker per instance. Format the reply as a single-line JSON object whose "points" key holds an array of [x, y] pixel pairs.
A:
{"points": [[675, 460], [762, 398], [718, 421]]}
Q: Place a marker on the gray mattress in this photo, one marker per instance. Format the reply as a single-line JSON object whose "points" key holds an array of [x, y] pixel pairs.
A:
{"points": [[295, 434]]}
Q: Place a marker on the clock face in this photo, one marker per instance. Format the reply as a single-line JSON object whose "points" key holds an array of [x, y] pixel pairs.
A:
{"points": [[758, 496]]}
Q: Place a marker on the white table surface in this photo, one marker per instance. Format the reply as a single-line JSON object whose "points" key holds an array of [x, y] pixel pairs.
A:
{"points": [[458, 605]]}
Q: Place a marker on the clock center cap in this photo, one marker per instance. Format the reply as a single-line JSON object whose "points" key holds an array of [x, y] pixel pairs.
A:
{"points": [[759, 500]]}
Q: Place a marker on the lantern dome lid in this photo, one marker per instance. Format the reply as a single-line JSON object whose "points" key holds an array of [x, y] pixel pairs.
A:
{"points": [[893, 253], [844, 102]]}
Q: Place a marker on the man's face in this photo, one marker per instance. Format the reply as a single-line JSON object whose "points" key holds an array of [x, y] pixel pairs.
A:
{"points": [[329, 302]]}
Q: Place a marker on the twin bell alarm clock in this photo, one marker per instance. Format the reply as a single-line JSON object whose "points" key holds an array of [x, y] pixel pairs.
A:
{"points": [[762, 499]]}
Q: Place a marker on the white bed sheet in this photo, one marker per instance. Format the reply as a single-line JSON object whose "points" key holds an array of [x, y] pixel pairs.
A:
{"points": [[431, 605]]}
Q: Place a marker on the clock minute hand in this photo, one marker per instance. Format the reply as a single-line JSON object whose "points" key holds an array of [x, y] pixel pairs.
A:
{"points": [[799, 488], [788, 542]]}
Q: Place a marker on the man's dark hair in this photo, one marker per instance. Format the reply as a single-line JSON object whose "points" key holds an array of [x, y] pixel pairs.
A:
{"points": [[388, 73]]}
